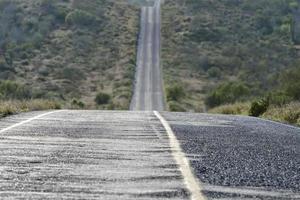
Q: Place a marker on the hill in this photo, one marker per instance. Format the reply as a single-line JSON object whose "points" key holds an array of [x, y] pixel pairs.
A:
{"points": [[220, 52], [69, 50]]}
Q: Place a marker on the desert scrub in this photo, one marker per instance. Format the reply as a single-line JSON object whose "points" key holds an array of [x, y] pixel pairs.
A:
{"points": [[204, 46], [288, 113], [102, 98], [72, 47], [259, 107], [15, 106], [175, 93], [80, 18], [77, 104], [241, 108], [228, 92], [13, 90], [176, 107]]}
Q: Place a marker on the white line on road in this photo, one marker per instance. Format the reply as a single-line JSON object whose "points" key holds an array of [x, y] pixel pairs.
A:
{"points": [[261, 192], [190, 180], [28, 120]]}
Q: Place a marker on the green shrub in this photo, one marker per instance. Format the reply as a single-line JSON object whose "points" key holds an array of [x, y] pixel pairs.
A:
{"points": [[77, 104], [291, 83], [102, 98], [13, 90], [83, 44], [80, 18], [259, 107], [175, 107], [175, 93], [214, 72], [44, 71], [60, 13], [3, 65], [72, 74], [279, 98], [227, 93], [37, 40], [294, 5]]}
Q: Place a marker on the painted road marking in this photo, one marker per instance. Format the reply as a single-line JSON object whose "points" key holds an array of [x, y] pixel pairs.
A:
{"points": [[191, 182], [261, 192], [28, 120]]}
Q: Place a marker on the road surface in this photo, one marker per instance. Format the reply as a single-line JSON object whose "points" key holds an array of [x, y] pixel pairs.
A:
{"points": [[148, 93], [147, 155]]}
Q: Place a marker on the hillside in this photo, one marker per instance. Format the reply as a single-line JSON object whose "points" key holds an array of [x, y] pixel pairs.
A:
{"points": [[217, 52], [69, 50]]}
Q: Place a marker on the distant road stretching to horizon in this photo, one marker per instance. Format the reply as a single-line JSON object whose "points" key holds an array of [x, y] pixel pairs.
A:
{"points": [[148, 92]]}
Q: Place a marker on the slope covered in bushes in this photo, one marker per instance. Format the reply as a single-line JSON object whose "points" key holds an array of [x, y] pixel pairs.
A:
{"points": [[226, 51], [70, 49]]}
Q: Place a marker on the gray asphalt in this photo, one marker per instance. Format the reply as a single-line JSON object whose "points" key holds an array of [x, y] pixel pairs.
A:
{"points": [[88, 155], [148, 91], [240, 157], [127, 155]]}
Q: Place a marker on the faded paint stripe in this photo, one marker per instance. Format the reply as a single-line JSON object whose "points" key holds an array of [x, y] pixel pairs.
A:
{"points": [[191, 182], [28, 120]]}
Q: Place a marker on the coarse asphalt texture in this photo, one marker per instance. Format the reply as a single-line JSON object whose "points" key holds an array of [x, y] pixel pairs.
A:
{"points": [[87, 155], [127, 155], [240, 157]]}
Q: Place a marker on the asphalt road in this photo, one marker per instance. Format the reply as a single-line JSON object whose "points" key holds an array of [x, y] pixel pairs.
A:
{"points": [[147, 155], [87, 155], [148, 93], [240, 157]]}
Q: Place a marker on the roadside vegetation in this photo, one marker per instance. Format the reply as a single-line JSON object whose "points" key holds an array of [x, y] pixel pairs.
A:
{"points": [[69, 51], [16, 98], [10, 107], [287, 113], [233, 57]]}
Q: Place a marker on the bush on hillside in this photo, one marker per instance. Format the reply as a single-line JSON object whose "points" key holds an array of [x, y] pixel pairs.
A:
{"points": [[214, 72], [227, 93], [72, 74], [175, 93], [80, 18], [176, 107], [279, 98], [13, 90], [291, 83], [102, 98], [77, 104], [3, 65], [259, 107]]}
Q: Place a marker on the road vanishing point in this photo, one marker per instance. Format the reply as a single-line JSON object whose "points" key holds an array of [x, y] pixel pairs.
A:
{"points": [[148, 91], [147, 153]]}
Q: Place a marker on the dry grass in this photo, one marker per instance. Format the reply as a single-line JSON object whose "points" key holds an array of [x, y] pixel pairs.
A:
{"points": [[14, 107], [241, 108], [289, 113]]}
